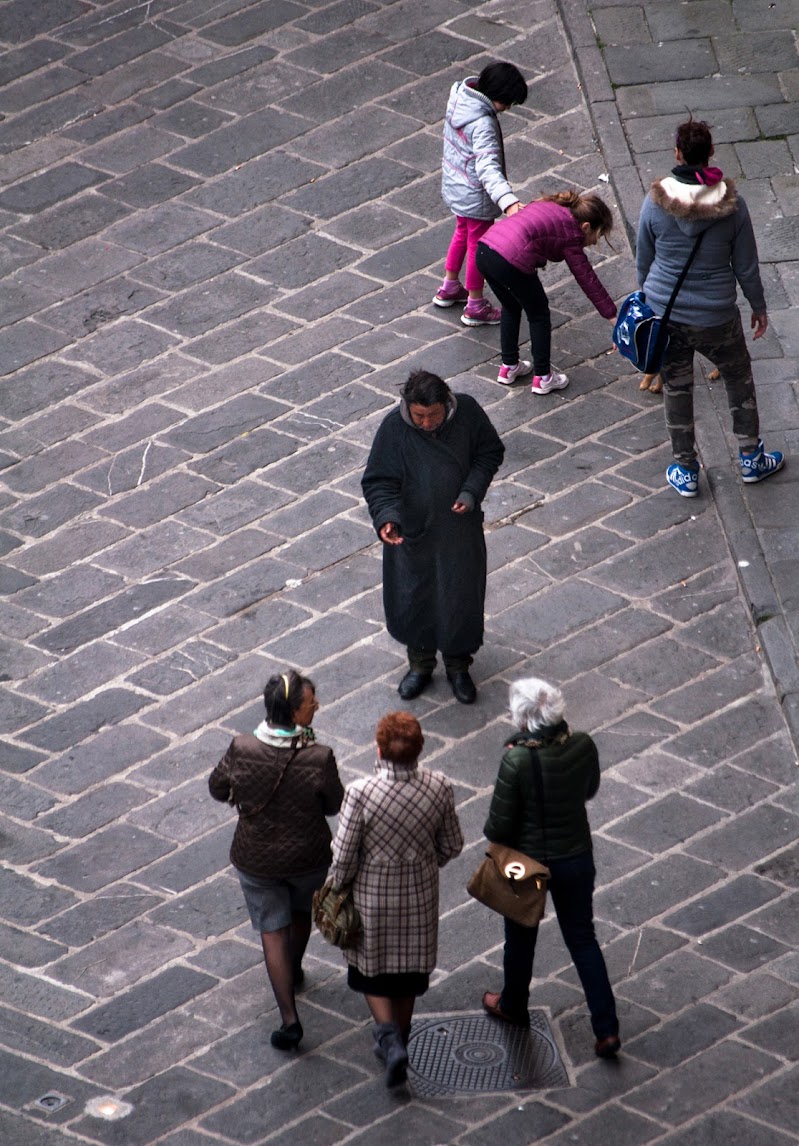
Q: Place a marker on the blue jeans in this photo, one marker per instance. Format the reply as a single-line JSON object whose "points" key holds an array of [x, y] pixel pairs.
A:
{"points": [[572, 890]]}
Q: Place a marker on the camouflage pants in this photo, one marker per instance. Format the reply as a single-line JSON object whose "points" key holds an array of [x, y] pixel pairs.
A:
{"points": [[725, 346]]}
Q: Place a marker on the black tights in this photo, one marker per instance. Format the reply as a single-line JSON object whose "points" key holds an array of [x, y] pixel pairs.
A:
{"points": [[283, 952]]}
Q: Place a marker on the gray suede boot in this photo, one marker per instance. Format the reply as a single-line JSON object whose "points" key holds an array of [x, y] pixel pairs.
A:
{"points": [[390, 1048]]}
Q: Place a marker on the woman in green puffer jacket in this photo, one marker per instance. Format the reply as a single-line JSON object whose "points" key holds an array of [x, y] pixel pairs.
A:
{"points": [[558, 835]]}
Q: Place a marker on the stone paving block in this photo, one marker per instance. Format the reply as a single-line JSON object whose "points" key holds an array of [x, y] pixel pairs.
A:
{"points": [[348, 188], [191, 864], [289, 1094], [34, 994], [624, 1127], [109, 965], [555, 613], [575, 509], [112, 614], [776, 1102], [250, 451], [100, 305], [757, 830], [110, 909], [210, 910], [84, 815], [149, 1000], [23, 800], [195, 312], [665, 823], [779, 919], [21, 844], [52, 187], [696, 1029], [302, 261], [723, 1126], [50, 510], [26, 342], [164, 771], [72, 591], [742, 948], [110, 753], [179, 814], [159, 499], [43, 1039], [658, 564], [16, 711], [161, 228], [27, 950], [156, 1048], [124, 151], [783, 867], [109, 855], [692, 597], [651, 63], [675, 982], [26, 901], [707, 1080], [755, 995], [187, 265], [717, 908], [217, 426], [653, 890], [228, 958], [160, 1104], [233, 144]]}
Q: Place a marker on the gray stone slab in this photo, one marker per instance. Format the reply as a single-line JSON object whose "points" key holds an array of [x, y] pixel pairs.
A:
{"points": [[696, 1029], [84, 815], [742, 948], [234, 144], [775, 1102], [25, 949], [654, 889], [111, 615], [109, 855], [160, 1104], [213, 909], [23, 1081], [667, 822], [110, 909], [136, 1008], [110, 965], [675, 982], [45, 190], [555, 613], [154, 1049], [759, 831], [291, 1093], [43, 1039], [34, 994]]}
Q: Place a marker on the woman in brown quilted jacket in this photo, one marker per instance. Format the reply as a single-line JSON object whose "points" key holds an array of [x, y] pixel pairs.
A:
{"points": [[283, 785]]}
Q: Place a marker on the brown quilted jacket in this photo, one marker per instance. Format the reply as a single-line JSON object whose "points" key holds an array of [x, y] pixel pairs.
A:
{"points": [[280, 832]]}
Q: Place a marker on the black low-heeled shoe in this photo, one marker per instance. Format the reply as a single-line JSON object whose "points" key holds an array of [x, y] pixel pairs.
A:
{"points": [[287, 1037]]}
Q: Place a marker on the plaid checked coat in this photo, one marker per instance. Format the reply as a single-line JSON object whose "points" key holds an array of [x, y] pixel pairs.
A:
{"points": [[395, 831]]}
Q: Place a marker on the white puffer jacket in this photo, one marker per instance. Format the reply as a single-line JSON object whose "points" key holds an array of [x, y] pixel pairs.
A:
{"points": [[473, 181]]}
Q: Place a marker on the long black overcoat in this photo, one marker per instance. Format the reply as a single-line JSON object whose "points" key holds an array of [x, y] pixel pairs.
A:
{"points": [[434, 583]]}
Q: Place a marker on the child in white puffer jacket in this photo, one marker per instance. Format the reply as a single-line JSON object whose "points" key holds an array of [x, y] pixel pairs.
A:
{"points": [[473, 180]]}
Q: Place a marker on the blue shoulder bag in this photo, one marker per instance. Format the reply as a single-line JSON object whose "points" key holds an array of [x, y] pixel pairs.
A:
{"points": [[639, 333]]}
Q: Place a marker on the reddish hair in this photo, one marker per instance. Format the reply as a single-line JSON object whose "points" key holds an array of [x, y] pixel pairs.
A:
{"points": [[399, 738]]}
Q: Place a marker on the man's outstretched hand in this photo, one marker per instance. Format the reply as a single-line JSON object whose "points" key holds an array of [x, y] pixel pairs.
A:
{"points": [[390, 534]]}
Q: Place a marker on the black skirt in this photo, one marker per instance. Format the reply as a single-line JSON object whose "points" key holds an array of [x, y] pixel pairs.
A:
{"points": [[398, 986]]}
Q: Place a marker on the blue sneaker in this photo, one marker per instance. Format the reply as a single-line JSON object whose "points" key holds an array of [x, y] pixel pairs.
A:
{"points": [[685, 479], [757, 464]]}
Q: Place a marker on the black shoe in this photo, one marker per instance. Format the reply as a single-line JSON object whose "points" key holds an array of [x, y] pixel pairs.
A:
{"points": [[462, 687], [609, 1047], [413, 683], [287, 1037], [390, 1049]]}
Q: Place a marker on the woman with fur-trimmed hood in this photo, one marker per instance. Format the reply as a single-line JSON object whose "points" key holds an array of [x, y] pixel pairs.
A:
{"points": [[697, 200]]}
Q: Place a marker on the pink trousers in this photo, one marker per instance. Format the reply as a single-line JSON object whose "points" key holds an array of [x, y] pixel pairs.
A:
{"points": [[468, 233]]}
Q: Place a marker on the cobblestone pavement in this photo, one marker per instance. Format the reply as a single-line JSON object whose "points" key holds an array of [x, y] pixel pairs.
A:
{"points": [[221, 232]]}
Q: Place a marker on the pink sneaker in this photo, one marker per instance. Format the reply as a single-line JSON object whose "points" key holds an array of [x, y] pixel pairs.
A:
{"points": [[480, 312], [450, 293], [508, 374], [549, 382]]}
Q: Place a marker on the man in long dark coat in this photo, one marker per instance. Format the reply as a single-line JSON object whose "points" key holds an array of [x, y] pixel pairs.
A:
{"points": [[429, 468]]}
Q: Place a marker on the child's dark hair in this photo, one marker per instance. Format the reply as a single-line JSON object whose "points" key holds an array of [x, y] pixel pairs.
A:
{"points": [[502, 83], [283, 695], [586, 208], [425, 389], [695, 142]]}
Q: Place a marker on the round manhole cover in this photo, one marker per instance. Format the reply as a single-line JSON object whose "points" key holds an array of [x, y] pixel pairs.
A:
{"points": [[473, 1052]]}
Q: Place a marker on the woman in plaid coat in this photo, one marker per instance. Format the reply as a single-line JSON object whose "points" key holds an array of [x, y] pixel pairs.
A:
{"points": [[396, 830]]}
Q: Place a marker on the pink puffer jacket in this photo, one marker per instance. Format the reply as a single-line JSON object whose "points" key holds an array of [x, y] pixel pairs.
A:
{"points": [[544, 232]]}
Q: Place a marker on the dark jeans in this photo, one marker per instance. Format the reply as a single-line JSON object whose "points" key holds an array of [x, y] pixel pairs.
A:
{"points": [[726, 348], [518, 292], [424, 660], [572, 889]]}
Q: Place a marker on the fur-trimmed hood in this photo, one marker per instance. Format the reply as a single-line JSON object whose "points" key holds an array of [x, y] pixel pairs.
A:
{"points": [[694, 205]]}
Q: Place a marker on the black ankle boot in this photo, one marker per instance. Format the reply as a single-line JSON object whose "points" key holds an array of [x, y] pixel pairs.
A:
{"points": [[287, 1037], [390, 1047]]}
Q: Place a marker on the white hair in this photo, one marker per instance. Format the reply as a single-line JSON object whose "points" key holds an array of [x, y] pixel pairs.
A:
{"points": [[534, 703]]}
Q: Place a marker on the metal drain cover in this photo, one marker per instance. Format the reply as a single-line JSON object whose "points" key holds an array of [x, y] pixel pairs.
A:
{"points": [[473, 1052]]}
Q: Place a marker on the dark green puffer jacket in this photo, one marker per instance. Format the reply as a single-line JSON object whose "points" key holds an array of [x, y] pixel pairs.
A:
{"points": [[570, 771]]}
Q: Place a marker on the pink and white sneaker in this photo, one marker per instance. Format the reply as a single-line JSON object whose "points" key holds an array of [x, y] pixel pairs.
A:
{"points": [[450, 293], [508, 374], [480, 312], [548, 383]]}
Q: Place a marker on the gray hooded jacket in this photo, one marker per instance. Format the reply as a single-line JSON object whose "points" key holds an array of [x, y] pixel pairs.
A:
{"points": [[473, 182], [673, 214]]}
